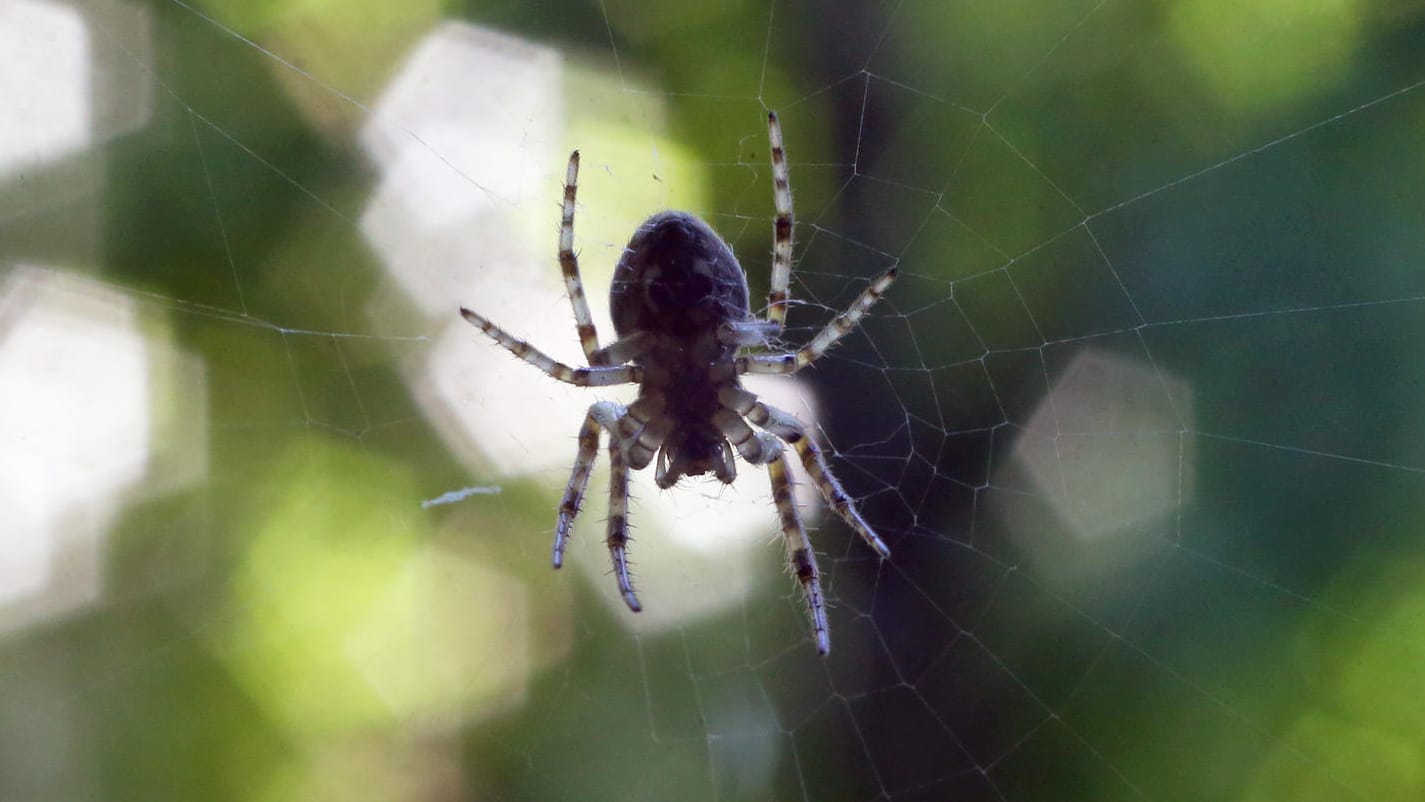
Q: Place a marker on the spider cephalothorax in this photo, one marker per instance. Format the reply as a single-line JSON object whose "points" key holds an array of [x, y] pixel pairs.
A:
{"points": [[680, 307]]}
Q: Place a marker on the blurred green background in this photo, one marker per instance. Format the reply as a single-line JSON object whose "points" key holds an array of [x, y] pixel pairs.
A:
{"points": [[1140, 421]]}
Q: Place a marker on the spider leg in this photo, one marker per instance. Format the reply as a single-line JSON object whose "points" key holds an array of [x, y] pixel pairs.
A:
{"points": [[755, 447], [846, 322], [799, 550], [569, 265], [842, 325], [624, 350], [643, 428], [786, 426], [618, 525], [603, 415], [777, 292], [601, 376]]}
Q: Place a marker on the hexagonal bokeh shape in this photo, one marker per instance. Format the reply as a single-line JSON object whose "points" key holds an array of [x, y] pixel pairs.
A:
{"points": [[86, 402], [51, 55], [45, 76], [1105, 455]]}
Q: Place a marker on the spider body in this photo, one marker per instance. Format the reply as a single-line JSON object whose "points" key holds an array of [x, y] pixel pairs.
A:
{"points": [[680, 307], [679, 288], [677, 278]]}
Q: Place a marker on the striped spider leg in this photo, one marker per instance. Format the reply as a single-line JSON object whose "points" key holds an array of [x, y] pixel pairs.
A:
{"points": [[778, 294], [766, 450], [625, 427], [607, 366], [843, 324], [740, 406], [793, 431], [621, 351], [635, 434]]}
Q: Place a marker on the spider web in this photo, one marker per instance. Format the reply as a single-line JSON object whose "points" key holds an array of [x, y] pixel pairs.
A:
{"points": [[1139, 420]]}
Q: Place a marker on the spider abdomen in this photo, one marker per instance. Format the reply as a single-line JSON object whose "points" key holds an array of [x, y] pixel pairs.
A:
{"points": [[677, 278]]}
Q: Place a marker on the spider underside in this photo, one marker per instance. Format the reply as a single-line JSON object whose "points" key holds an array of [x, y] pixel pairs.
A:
{"points": [[681, 310]]}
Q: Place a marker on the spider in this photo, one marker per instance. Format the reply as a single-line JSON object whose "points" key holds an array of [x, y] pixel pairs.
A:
{"points": [[679, 304]]}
